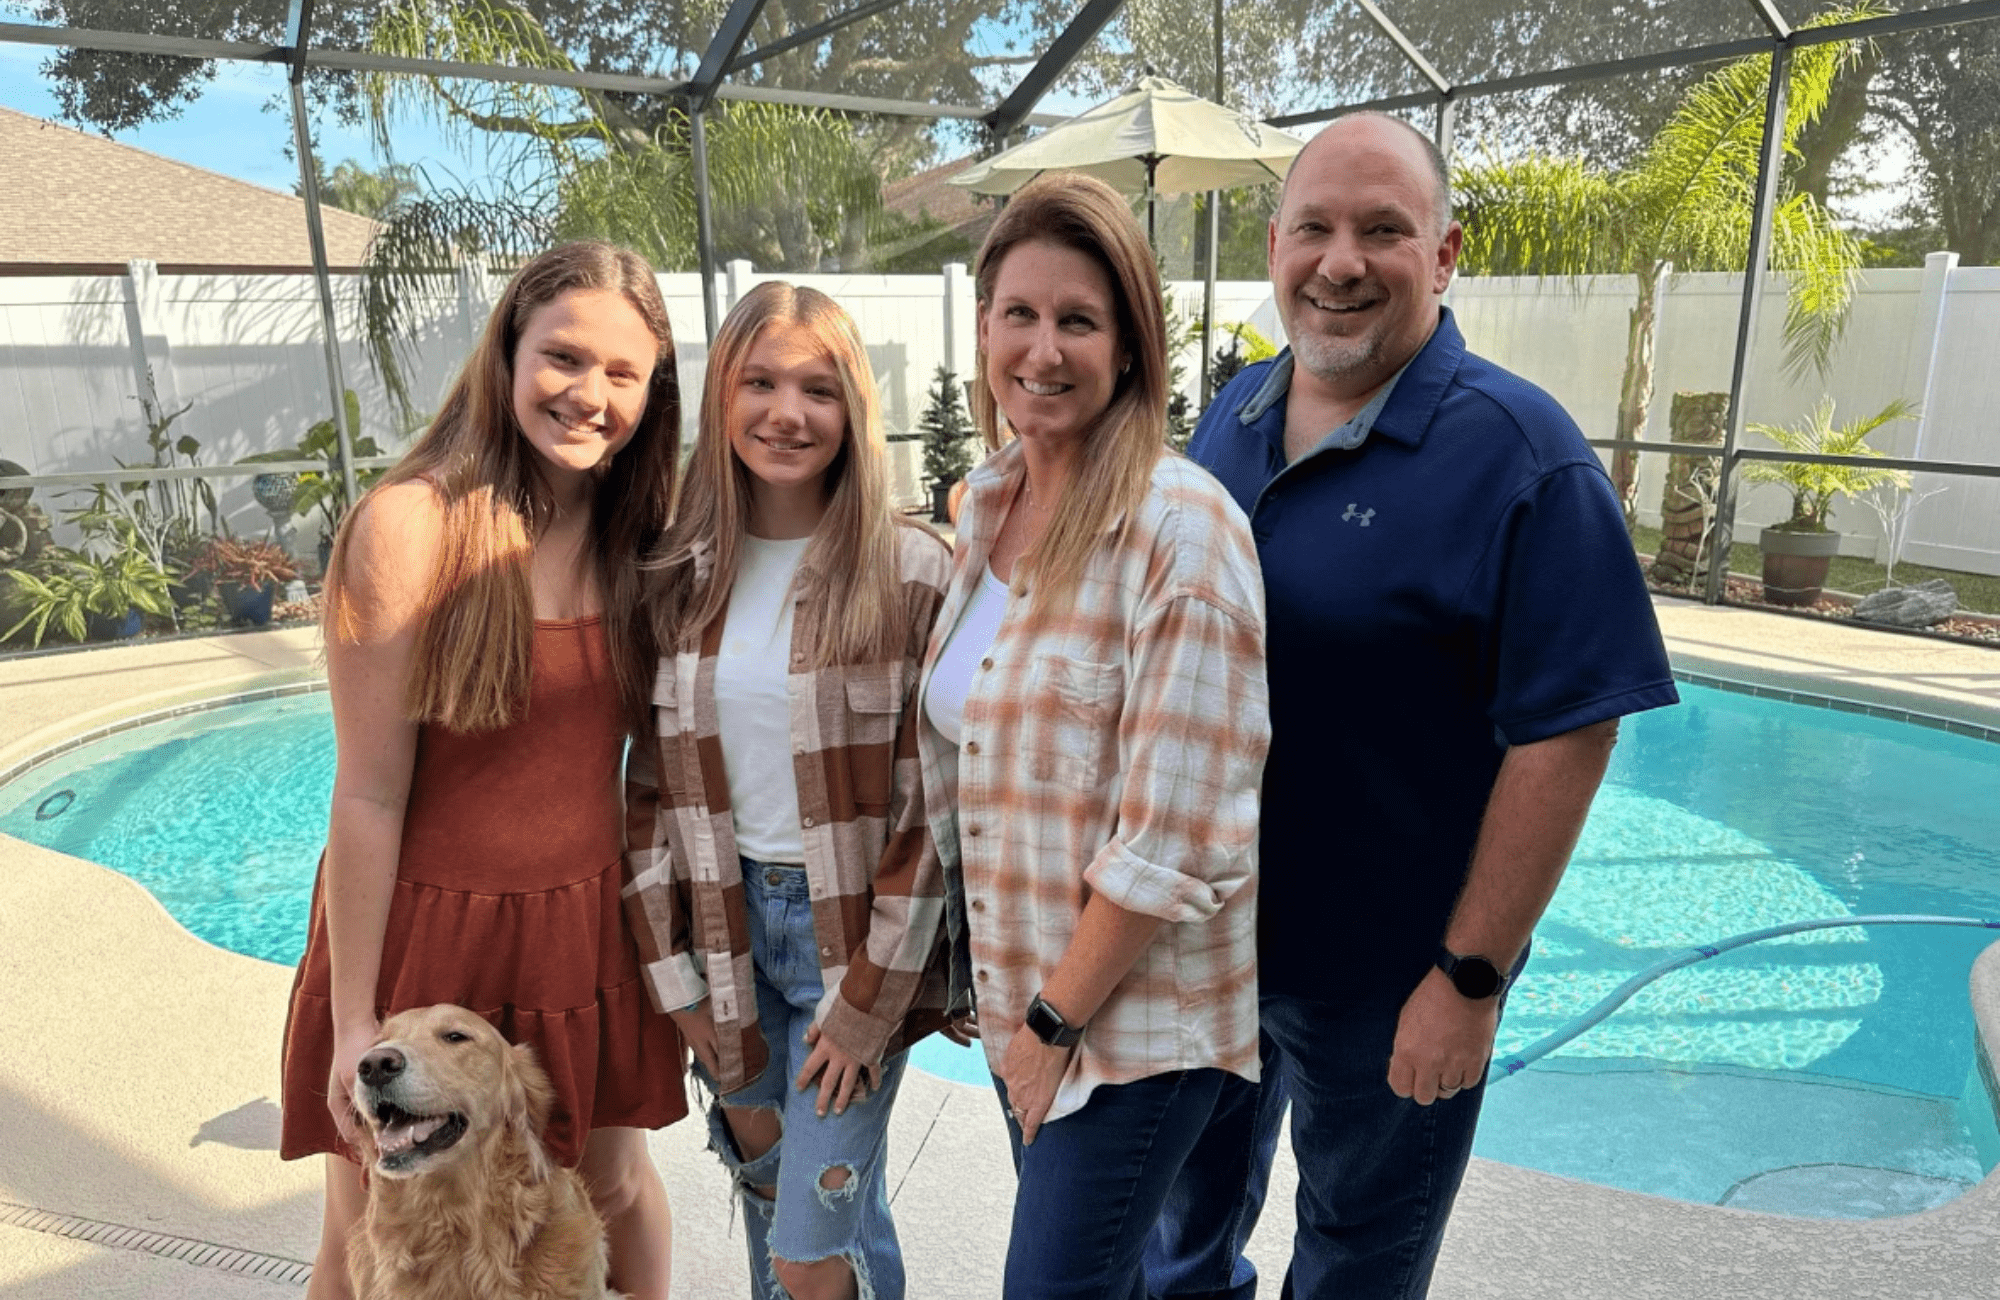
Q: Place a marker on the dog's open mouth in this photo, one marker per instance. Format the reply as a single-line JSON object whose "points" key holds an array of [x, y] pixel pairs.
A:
{"points": [[402, 1137]]}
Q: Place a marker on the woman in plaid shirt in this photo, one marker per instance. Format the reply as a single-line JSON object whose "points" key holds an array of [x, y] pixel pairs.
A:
{"points": [[1094, 732], [784, 889]]}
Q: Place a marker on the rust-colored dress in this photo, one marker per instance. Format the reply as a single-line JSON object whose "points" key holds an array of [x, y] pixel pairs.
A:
{"points": [[507, 902]]}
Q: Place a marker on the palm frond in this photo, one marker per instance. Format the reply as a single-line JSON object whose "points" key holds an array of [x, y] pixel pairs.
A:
{"points": [[1538, 215], [1823, 262]]}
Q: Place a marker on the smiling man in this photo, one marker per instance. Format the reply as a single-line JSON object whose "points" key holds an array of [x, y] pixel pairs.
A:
{"points": [[1455, 624]]}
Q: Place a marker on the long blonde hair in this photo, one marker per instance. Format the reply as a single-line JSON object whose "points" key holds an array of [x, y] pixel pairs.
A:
{"points": [[1074, 211], [474, 647], [853, 550]]}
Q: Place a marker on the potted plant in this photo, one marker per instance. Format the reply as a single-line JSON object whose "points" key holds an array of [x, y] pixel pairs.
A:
{"points": [[947, 434], [87, 597], [1798, 552], [324, 491], [247, 575]]}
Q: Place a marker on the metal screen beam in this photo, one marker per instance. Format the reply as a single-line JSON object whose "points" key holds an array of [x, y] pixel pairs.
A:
{"points": [[1889, 24], [298, 28], [864, 104], [1082, 30], [1770, 155], [722, 50], [1403, 43], [806, 36], [1971, 11], [1774, 22], [186, 47]]}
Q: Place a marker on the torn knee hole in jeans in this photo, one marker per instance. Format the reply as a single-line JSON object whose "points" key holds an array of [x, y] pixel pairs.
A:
{"points": [[857, 1264], [836, 1184]]}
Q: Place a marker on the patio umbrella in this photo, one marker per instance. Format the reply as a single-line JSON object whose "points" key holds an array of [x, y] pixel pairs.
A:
{"points": [[1156, 138]]}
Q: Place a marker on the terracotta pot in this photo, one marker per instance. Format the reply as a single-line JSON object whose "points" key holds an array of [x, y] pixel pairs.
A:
{"points": [[1795, 564]]}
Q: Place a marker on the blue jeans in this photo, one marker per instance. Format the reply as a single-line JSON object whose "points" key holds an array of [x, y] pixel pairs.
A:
{"points": [[1377, 1172], [806, 1222], [1092, 1185]]}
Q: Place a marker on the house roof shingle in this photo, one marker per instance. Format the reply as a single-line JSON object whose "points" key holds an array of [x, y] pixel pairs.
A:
{"points": [[69, 198]]}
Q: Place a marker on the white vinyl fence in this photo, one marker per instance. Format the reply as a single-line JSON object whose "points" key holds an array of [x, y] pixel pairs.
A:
{"points": [[244, 350]]}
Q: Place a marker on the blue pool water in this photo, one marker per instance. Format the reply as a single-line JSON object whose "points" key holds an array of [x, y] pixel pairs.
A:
{"points": [[1826, 1074]]}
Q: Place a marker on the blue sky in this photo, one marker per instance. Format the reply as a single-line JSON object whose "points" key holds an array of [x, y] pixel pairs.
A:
{"points": [[228, 129]]}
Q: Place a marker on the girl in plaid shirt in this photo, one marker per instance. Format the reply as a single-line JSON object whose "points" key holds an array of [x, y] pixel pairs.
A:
{"points": [[783, 885], [1094, 732]]}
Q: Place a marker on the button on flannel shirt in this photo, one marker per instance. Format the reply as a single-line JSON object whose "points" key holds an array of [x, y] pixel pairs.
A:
{"points": [[877, 894], [1113, 745]]}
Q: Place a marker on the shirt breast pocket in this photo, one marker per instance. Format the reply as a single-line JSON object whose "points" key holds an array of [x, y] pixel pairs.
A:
{"points": [[1076, 707], [666, 700], [874, 709]]}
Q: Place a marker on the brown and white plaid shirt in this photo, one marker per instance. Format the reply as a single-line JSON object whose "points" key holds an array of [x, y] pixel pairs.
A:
{"points": [[877, 894], [1113, 745]]}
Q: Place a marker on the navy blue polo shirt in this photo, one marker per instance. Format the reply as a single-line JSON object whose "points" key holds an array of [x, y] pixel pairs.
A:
{"points": [[1452, 580]]}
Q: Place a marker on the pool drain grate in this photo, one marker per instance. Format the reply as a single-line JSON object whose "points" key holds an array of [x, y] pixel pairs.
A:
{"points": [[204, 1254]]}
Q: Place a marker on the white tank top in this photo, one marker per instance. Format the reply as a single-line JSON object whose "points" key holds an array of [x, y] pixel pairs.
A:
{"points": [[951, 680]]}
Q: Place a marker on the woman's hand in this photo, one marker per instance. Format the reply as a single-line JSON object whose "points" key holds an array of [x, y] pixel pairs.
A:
{"points": [[697, 1029], [965, 1030], [350, 1044], [842, 1076], [1032, 1070]]}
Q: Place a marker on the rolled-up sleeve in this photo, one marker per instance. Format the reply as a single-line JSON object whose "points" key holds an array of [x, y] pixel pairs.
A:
{"points": [[653, 906], [1192, 737]]}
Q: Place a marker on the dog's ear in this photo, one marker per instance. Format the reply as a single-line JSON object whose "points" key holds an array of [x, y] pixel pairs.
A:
{"points": [[530, 1095]]}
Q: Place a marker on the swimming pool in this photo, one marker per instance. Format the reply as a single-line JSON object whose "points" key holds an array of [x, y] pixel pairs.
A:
{"points": [[1828, 1074]]}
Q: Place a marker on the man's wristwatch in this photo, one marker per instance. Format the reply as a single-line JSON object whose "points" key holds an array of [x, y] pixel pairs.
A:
{"points": [[1047, 1024], [1472, 975]]}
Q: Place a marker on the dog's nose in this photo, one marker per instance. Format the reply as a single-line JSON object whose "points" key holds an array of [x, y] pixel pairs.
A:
{"points": [[380, 1066]]}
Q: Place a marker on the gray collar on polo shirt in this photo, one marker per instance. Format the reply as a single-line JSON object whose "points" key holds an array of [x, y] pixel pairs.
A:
{"points": [[1278, 382]]}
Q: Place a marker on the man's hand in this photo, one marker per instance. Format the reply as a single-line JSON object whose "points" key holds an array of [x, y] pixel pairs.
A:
{"points": [[1443, 1041], [843, 1076]]}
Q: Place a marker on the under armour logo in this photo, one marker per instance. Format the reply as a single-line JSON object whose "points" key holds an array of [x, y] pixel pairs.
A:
{"points": [[1357, 515]]}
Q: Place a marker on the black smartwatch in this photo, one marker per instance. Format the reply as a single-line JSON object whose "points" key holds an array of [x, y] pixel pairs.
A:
{"points": [[1473, 976], [1047, 1024]]}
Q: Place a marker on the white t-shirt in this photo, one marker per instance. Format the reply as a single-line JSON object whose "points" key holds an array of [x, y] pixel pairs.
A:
{"points": [[951, 680], [752, 706]]}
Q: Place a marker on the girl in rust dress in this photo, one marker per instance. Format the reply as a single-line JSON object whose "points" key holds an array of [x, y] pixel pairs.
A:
{"points": [[482, 611]]}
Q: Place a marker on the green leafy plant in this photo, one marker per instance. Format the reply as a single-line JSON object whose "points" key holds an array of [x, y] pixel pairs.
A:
{"points": [[1815, 488], [1247, 346], [326, 490], [947, 430], [65, 587]]}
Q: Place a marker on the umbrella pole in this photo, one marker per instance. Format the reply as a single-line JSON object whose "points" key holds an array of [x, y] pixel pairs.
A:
{"points": [[1208, 293], [1152, 239]]}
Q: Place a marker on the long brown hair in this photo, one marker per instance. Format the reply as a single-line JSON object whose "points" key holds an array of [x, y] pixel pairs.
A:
{"points": [[475, 644], [853, 550], [1071, 210]]}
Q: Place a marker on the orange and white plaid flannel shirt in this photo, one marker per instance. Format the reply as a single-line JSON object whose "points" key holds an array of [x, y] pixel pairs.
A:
{"points": [[1114, 745]]}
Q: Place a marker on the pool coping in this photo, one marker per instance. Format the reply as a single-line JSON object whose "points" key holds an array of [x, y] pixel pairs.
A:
{"points": [[89, 736]]}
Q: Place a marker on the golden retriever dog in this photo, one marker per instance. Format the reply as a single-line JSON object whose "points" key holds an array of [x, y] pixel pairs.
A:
{"points": [[463, 1202]]}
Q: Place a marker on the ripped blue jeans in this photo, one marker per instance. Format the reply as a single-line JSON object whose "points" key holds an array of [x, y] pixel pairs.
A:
{"points": [[807, 1221]]}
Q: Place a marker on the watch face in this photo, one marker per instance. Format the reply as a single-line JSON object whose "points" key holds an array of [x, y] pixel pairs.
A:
{"points": [[1476, 977]]}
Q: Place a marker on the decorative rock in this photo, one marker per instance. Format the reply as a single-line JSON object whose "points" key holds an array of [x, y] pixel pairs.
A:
{"points": [[1918, 606]]}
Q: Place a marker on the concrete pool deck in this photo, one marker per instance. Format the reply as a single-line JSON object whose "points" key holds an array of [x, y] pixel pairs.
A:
{"points": [[138, 1065]]}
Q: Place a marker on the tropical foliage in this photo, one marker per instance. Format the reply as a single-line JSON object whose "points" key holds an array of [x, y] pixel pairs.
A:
{"points": [[1815, 487], [1684, 204]]}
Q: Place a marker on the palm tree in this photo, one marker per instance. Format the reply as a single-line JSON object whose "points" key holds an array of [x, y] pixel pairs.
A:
{"points": [[792, 189], [1686, 202]]}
